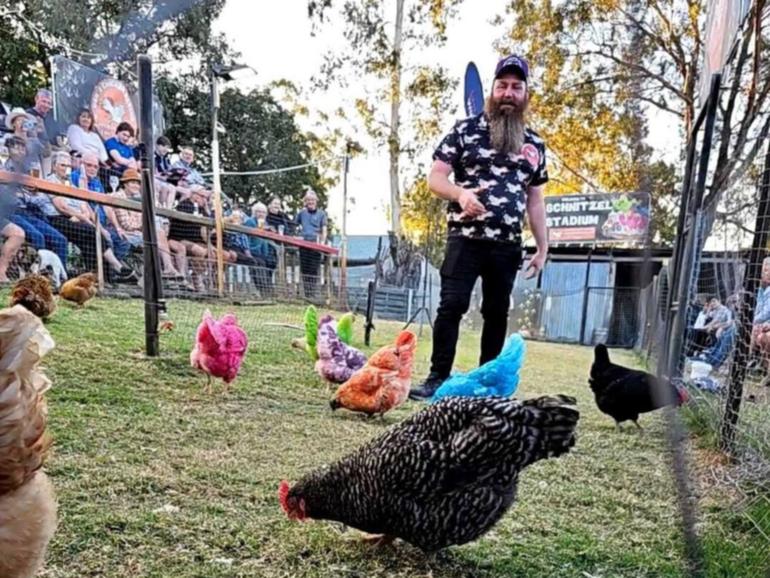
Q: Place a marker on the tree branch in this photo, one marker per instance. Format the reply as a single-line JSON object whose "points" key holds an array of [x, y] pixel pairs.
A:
{"points": [[643, 70], [584, 179]]}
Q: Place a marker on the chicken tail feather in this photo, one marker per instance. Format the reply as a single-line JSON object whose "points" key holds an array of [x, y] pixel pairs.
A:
{"points": [[553, 419]]}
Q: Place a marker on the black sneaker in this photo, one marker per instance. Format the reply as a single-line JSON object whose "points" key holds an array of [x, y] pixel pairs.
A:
{"points": [[427, 388]]}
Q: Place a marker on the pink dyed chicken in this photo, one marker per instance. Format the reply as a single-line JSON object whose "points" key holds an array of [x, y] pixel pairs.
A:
{"points": [[219, 348]]}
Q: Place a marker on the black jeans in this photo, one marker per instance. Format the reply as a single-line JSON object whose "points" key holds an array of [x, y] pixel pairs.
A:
{"points": [[310, 268], [465, 261]]}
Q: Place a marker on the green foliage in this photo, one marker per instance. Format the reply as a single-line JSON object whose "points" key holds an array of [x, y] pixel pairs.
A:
{"points": [[423, 215], [31, 31], [260, 135], [389, 55]]}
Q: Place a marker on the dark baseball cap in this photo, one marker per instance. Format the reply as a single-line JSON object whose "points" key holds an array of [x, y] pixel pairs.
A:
{"points": [[512, 63]]}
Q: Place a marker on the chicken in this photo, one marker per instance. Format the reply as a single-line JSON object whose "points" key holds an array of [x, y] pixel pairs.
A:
{"points": [[444, 476], [80, 289], [499, 377], [34, 293], [383, 383], [309, 343], [220, 346], [337, 361], [27, 501], [624, 393]]}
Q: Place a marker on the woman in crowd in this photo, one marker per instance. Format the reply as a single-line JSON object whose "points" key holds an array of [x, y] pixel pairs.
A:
{"points": [[276, 220], [83, 138], [262, 249], [194, 237], [171, 252]]}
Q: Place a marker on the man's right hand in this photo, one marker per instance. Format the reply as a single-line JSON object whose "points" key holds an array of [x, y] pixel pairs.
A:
{"points": [[470, 204]]}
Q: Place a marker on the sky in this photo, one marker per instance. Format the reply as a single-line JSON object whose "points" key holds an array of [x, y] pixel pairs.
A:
{"points": [[278, 44]]}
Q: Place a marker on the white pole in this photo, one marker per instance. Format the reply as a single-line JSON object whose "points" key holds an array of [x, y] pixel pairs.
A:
{"points": [[217, 185]]}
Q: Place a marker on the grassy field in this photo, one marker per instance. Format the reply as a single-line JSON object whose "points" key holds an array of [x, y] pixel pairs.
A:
{"points": [[155, 479]]}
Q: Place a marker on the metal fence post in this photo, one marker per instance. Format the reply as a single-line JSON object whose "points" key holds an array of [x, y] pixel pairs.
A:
{"points": [[153, 291]]}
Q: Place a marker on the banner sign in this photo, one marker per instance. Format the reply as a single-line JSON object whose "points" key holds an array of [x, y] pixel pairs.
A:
{"points": [[621, 218], [474, 93], [110, 101], [724, 19]]}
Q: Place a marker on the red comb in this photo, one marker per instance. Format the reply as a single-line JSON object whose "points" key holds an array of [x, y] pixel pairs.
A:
{"points": [[405, 338], [283, 495]]}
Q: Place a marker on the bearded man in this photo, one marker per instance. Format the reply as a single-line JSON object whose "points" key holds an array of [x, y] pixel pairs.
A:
{"points": [[499, 176]]}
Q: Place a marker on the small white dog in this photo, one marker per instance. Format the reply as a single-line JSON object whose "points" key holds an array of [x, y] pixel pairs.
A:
{"points": [[49, 261]]}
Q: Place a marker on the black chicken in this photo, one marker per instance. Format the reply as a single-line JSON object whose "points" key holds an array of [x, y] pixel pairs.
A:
{"points": [[624, 393], [444, 476]]}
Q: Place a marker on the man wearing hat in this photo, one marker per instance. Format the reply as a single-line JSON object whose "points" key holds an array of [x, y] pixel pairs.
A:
{"points": [[499, 171], [24, 127]]}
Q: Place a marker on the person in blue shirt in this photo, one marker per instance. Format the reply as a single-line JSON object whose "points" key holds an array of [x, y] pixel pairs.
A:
{"points": [[122, 154], [312, 226], [37, 229], [261, 248], [760, 333], [90, 177]]}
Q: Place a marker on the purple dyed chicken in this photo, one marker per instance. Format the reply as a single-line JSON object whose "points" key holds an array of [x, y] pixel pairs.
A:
{"points": [[336, 360]]}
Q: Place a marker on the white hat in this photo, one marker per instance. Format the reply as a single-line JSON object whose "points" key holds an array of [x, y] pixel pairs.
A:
{"points": [[16, 112]]}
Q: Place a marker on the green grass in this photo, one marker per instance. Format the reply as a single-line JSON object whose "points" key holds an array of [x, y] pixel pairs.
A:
{"points": [[155, 479]]}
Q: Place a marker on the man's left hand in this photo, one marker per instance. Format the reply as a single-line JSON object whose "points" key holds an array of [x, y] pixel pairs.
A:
{"points": [[535, 264]]}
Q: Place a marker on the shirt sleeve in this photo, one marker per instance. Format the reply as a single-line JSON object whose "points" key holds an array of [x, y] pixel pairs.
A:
{"points": [[450, 148], [541, 174], [324, 220]]}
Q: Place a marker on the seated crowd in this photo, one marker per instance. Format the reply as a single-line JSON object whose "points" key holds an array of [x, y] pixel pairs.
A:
{"points": [[82, 159]]}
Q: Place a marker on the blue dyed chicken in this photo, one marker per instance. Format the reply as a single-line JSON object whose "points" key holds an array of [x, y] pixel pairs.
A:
{"points": [[499, 377]]}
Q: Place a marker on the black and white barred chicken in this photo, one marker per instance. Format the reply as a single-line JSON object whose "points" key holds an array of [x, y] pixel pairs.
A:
{"points": [[444, 476]]}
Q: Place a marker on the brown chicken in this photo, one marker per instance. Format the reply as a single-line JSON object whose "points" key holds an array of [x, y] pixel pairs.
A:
{"points": [[80, 289], [27, 501], [34, 293], [383, 383]]}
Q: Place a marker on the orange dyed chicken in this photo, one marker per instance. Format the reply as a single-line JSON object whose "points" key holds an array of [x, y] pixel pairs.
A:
{"points": [[383, 383], [80, 289]]}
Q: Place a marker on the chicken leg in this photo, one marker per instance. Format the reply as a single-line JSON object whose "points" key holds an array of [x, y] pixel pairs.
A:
{"points": [[378, 540], [207, 387]]}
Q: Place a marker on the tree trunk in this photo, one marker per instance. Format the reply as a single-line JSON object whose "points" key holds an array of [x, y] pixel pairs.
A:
{"points": [[394, 142]]}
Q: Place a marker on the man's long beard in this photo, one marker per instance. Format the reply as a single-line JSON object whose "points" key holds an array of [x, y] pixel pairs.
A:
{"points": [[506, 126]]}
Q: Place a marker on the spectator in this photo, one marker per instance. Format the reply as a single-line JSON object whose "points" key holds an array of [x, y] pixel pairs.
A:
{"points": [[25, 129], [723, 326], [121, 152], [760, 333], [312, 224], [192, 177], [262, 249], [277, 219], [131, 224], [37, 230], [194, 237], [42, 110], [240, 244], [84, 139], [76, 221], [106, 216], [13, 235]]}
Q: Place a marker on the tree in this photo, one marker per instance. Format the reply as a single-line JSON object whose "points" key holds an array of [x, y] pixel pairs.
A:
{"points": [[260, 135], [580, 47], [424, 219], [389, 61], [100, 34]]}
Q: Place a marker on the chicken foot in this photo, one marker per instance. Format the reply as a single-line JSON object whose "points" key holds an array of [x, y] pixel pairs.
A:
{"points": [[377, 540]]}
